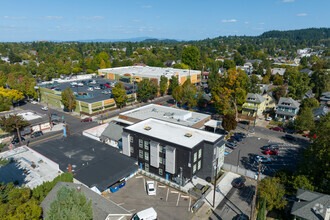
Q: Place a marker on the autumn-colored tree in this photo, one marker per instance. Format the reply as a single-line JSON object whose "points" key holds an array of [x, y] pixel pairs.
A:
{"points": [[273, 191], [11, 94], [229, 122], [68, 99]]}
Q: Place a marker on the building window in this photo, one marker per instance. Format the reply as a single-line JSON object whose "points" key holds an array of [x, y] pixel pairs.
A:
{"points": [[160, 171], [195, 157], [199, 165], [160, 148], [146, 145], [146, 167], [146, 155], [194, 169], [161, 160], [132, 150], [140, 143], [141, 154], [199, 153], [131, 139]]}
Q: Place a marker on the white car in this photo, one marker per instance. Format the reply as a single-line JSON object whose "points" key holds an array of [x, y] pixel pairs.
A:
{"points": [[93, 82], [269, 119], [151, 188], [262, 159], [80, 84], [90, 89], [74, 83], [97, 87], [34, 102], [45, 108]]}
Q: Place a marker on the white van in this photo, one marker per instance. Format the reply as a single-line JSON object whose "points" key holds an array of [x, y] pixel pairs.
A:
{"points": [[147, 214]]}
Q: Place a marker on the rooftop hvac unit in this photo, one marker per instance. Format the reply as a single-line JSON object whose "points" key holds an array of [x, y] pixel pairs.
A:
{"points": [[147, 128], [188, 134]]}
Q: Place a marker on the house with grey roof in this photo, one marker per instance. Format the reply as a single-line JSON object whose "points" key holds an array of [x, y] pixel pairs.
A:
{"points": [[308, 71], [279, 71], [320, 112], [287, 109], [311, 205], [103, 208], [112, 135], [254, 105], [325, 99]]}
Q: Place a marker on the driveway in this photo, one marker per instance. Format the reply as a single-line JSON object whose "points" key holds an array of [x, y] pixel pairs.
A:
{"points": [[168, 203]]}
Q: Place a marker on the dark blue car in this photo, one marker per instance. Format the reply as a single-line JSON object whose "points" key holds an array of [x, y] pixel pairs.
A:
{"points": [[238, 138]]}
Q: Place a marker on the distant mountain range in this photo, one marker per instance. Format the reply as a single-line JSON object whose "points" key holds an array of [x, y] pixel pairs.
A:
{"points": [[136, 39]]}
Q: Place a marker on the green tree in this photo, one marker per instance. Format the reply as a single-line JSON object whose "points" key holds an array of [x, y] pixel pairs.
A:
{"points": [[3, 78], [228, 64], [229, 122], [146, 90], [68, 99], [273, 191], [262, 211], [190, 56], [278, 80], [163, 85], [238, 59], [279, 92], [309, 103], [304, 121], [119, 94], [260, 70], [177, 94], [173, 84], [304, 62], [320, 82], [214, 77], [254, 87], [70, 204], [298, 85], [189, 93], [302, 182], [13, 123], [265, 80]]}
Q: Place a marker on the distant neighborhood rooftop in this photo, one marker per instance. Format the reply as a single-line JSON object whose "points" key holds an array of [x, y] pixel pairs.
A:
{"points": [[147, 71], [174, 115], [27, 167], [174, 133], [102, 208]]}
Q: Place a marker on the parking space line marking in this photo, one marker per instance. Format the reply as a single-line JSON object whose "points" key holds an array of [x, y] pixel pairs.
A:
{"points": [[174, 192], [168, 189], [121, 204], [138, 177], [132, 210], [184, 196], [189, 204], [161, 186], [177, 202]]}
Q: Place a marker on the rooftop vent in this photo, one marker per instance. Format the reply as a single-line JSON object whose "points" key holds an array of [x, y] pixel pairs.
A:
{"points": [[147, 128], [188, 134]]}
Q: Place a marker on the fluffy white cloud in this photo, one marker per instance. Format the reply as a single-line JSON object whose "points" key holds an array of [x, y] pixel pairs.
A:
{"points": [[228, 20], [301, 14]]}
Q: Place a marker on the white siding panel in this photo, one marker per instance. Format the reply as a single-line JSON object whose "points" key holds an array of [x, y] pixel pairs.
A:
{"points": [[126, 144], [154, 154]]}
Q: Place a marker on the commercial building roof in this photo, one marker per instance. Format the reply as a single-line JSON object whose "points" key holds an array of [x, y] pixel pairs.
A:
{"points": [[102, 207], [113, 132], [147, 71], [27, 167], [174, 133], [174, 115], [93, 163]]}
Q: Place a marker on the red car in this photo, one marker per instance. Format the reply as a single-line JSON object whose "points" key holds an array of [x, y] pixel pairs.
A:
{"points": [[107, 85], [271, 152], [276, 129], [86, 119]]}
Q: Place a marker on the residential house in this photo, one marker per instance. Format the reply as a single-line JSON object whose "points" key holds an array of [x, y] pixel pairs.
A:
{"points": [[169, 63], [279, 71], [309, 94], [254, 105], [287, 109], [270, 101], [172, 151], [103, 208], [320, 112], [112, 135], [311, 205], [308, 71], [325, 99]]}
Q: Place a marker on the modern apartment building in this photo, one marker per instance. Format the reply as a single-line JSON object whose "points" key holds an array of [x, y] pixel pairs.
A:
{"points": [[173, 151]]}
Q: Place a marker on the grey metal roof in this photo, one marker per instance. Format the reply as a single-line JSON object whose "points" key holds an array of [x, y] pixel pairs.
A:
{"points": [[308, 71], [325, 96], [112, 131], [288, 102], [255, 98], [102, 207], [285, 113], [321, 111], [312, 205]]}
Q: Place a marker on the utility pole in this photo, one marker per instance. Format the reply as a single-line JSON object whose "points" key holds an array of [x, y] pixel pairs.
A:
{"points": [[50, 120], [253, 205], [215, 181]]}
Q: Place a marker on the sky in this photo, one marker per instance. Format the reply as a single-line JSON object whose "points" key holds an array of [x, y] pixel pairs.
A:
{"points": [[71, 20]]}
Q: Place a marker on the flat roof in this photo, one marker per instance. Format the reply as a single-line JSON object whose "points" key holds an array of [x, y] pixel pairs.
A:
{"points": [[28, 167], [174, 133], [170, 114], [147, 71], [97, 95], [93, 163]]}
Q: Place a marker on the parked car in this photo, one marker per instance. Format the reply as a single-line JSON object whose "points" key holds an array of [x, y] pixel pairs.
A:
{"points": [[231, 145], [289, 137], [36, 134], [271, 151], [270, 146], [244, 122], [86, 119], [91, 89], [241, 217], [107, 85], [290, 198], [240, 134], [262, 159], [45, 108], [237, 138], [55, 117], [289, 131], [97, 87], [231, 140], [239, 182], [16, 140], [269, 119], [148, 214], [34, 102], [80, 84], [74, 83], [92, 82], [151, 190], [276, 129]]}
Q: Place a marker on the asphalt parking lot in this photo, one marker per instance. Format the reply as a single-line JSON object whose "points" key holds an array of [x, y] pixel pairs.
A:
{"points": [[237, 201], [248, 148], [168, 203]]}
